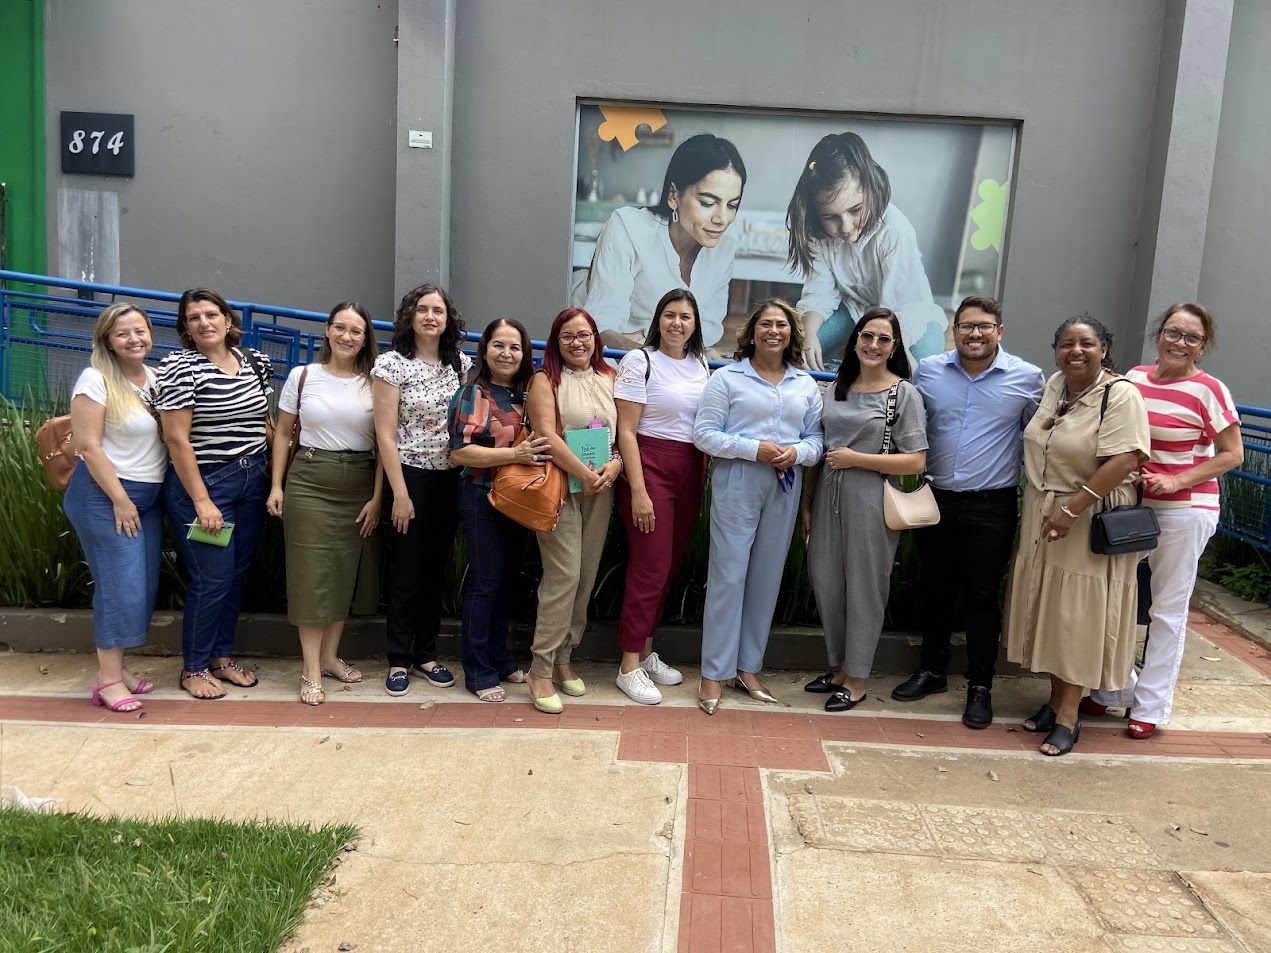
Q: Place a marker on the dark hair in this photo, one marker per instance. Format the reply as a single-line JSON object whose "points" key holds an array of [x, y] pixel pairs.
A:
{"points": [[850, 369], [403, 324], [481, 369], [1198, 311], [984, 303], [793, 354], [1100, 331], [830, 163], [235, 334], [693, 160], [552, 361], [653, 339], [365, 358]]}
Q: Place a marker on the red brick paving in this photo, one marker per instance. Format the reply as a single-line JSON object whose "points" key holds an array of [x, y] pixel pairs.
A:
{"points": [[1229, 640]]}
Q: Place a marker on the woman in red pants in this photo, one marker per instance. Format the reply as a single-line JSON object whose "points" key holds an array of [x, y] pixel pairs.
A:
{"points": [[657, 393]]}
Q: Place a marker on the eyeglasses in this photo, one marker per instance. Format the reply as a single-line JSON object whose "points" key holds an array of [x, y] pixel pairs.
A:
{"points": [[355, 333], [582, 337], [869, 337], [1174, 336], [982, 328]]}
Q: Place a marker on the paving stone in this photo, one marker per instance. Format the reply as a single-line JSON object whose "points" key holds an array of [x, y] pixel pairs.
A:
{"points": [[1146, 903], [984, 833], [1154, 944], [853, 824], [1074, 839]]}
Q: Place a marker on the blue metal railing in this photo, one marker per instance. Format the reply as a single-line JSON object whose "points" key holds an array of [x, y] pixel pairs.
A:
{"points": [[46, 339]]}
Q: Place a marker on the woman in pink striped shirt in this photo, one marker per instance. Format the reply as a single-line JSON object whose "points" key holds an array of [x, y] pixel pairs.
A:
{"points": [[1195, 440]]}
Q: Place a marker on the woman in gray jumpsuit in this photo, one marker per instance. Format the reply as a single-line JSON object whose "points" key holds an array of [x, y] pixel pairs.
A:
{"points": [[850, 548]]}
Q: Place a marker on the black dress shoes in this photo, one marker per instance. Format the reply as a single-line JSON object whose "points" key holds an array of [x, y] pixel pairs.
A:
{"points": [[979, 707], [919, 685]]}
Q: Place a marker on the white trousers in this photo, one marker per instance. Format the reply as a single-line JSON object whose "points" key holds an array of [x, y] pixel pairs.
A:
{"points": [[1150, 692]]}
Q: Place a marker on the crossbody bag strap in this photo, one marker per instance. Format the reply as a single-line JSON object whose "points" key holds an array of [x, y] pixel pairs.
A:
{"points": [[1103, 409], [892, 397]]}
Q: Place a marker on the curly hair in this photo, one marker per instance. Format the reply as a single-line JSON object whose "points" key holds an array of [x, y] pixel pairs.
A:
{"points": [[793, 354], [1100, 330], [404, 328]]}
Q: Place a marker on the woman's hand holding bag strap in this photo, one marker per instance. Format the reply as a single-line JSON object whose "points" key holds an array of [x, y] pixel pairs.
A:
{"points": [[1130, 528], [531, 494], [903, 510]]}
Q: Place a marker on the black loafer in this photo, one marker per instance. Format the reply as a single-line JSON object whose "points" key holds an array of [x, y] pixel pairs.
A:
{"points": [[842, 700], [822, 684], [979, 707], [919, 685]]}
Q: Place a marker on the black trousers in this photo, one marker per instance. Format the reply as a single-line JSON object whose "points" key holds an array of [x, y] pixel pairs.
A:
{"points": [[417, 564], [965, 555]]}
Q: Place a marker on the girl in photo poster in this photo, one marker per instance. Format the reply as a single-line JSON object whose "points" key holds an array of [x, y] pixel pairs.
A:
{"points": [[684, 241], [856, 249]]}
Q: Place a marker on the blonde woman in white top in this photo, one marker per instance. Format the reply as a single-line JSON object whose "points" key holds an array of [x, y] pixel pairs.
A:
{"points": [[333, 493], [113, 497]]}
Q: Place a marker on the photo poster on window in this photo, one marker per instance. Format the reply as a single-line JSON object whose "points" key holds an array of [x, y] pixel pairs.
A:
{"points": [[834, 214]]}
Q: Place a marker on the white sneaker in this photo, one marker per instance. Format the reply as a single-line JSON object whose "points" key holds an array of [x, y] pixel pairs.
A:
{"points": [[660, 672], [637, 686]]}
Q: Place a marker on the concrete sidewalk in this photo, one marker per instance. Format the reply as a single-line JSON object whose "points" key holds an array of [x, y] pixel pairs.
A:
{"points": [[624, 828]]}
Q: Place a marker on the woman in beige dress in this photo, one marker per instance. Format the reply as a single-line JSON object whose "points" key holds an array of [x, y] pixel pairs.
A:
{"points": [[1071, 613]]}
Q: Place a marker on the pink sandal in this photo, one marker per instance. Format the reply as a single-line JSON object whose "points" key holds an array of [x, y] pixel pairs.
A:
{"points": [[125, 704], [144, 687]]}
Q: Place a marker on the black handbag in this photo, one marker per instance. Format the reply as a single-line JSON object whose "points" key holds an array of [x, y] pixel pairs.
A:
{"points": [[1131, 528], [1124, 529]]}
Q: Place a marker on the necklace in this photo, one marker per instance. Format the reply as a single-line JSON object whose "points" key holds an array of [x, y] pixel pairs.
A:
{"points": [[1068, 398]]}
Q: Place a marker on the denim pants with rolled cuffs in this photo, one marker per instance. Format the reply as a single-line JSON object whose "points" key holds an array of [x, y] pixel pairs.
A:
{"points": [[239, 490], [125, 568]]}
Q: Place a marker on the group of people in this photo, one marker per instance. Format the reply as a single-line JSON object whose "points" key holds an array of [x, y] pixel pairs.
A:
{"points": [[416, 434]]}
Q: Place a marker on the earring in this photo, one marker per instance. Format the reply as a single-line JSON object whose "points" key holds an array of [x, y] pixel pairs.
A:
{"points": [[675, 215]]}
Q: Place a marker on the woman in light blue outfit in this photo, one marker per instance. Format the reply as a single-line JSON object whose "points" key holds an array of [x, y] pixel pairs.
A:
{"points": [[760, 418]]}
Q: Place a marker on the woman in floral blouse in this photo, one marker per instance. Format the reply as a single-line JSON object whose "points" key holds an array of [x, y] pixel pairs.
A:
{"points": [[412, 387]]}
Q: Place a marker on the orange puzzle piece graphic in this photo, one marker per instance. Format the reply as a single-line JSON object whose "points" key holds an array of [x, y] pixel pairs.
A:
{"points": [[621, 123]]}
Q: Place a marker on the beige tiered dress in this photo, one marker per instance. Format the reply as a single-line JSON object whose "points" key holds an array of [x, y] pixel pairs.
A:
{"points": [[1069, 612]]}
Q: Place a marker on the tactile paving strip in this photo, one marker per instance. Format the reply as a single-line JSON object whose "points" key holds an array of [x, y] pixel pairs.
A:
{"points": [[985, 834], [1152, 903], [1153, 944], [853, 824], [1061, 838]]}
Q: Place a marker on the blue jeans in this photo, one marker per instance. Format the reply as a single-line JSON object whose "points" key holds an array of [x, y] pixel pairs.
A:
{"points": [[494, 552], [125, 569], [239, 490]]}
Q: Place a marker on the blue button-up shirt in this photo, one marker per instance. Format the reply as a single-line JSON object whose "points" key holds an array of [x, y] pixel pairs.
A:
{"points": [[975, 425], [739, 409]]}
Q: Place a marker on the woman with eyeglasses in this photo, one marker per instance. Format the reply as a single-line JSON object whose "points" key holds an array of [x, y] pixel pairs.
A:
{"points": [[333, 493], [1195, 440], [572, 394], [113, 497], [850, 548]]}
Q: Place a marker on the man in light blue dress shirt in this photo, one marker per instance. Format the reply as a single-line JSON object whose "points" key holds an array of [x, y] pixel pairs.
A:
{"points": [[978, 399]]}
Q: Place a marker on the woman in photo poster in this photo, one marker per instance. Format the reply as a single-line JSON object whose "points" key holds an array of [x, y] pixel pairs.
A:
{"points": [[682, 242], [857, 250]]}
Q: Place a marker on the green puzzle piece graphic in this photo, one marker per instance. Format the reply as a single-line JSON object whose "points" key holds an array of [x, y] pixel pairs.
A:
{"points": [[989, 216]]}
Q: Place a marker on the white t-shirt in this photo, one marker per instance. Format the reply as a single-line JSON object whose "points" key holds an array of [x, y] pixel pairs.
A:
{"points": [[335, 413], [670, 396], [635, 265], [132, 445]]}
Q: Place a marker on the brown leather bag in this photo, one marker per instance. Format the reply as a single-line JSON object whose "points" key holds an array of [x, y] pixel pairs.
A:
{"points": [[530, 494], [54, 441]]}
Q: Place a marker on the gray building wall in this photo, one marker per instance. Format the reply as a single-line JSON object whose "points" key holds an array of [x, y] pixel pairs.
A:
{"points": [[265, 145], [1081, 76], [1235, 280]]}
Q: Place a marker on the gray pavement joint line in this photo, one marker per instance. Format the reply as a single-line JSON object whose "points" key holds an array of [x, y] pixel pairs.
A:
{"points": [[1074, 757], [83, 741], [1200, 899], [563, 865], [675, 868]]}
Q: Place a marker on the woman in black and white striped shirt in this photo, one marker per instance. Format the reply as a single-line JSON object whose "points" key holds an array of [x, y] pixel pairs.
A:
{"points": [[214, 401]]}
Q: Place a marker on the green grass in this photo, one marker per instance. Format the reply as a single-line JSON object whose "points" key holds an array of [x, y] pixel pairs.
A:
{"points": [[72, 883]]}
